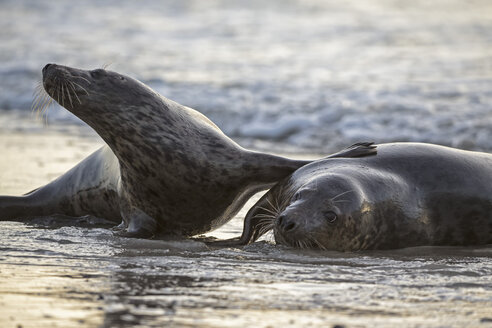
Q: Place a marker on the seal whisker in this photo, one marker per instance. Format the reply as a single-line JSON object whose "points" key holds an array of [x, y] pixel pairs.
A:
{"points": [[274, 208], [63, 96], [46, 102], [41, 103], [307, 243], [74, 92], [38, 96], [35, 106], [263, 223], [57, 90], [43, 109], [342, 201], [341, 194], [267, 219], [82, 78], [68, 94], [265, 229], [38, 100], [268, 210], [87, 93], [263, 215], [316, 242], [37, 88]]}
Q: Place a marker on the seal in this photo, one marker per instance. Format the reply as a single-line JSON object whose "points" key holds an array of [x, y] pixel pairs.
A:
{"points": [[166, 168], [410, 194]]}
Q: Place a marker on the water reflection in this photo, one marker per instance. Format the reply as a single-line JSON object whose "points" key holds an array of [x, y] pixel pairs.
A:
{"points": [[86, 278]]}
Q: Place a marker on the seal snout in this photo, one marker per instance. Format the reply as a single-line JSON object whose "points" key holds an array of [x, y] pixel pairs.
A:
{"points": [[286, 224], [45, 68], [49, 73]]}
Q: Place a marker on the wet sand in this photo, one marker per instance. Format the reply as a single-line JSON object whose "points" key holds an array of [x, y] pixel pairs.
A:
{"points": [[79, 277], [31, 160]]}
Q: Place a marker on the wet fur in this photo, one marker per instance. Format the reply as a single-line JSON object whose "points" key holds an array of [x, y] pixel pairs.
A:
{"points": [[166, 169], [410, 194]]}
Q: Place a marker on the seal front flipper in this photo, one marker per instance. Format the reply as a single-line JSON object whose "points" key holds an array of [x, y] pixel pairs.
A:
{"points": [[138, 225]]}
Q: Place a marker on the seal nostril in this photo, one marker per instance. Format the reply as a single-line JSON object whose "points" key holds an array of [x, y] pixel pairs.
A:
{"points": [[45, 68], [280, 219], [290, 226], [285, 224]]}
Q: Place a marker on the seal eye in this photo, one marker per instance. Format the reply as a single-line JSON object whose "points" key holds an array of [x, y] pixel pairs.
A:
{"points": [[121, 78], [330, 216]]}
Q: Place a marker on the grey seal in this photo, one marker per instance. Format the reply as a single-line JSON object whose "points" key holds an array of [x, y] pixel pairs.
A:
{"points": [[166, 168], [410, 194]]}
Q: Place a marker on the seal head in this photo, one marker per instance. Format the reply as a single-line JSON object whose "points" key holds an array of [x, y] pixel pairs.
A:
{"points": [[319, 213], [292, 211]]}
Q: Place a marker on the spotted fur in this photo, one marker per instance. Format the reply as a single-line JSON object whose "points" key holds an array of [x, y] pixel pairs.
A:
{"points": [[166, 168]]}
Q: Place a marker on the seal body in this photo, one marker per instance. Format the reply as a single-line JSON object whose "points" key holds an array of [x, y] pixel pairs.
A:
{"points": [[166, 168], [410, 194]]}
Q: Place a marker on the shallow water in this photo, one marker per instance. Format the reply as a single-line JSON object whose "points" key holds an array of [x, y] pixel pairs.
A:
{"points": [[80, 277], [83, 277]]}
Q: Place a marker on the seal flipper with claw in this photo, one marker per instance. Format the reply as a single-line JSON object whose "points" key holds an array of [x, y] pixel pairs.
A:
{"points": [[259, 218]]}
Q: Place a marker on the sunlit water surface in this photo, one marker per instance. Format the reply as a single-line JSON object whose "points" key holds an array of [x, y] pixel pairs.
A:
{"points": [[86, 277], [73, 276]]}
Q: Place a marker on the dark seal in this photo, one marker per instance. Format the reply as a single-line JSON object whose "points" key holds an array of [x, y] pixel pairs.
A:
{"points": [[410, 194], [166, 168]]}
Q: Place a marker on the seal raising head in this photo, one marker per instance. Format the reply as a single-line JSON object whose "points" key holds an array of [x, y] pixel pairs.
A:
{"points": [[166, 168], [410, 194]]}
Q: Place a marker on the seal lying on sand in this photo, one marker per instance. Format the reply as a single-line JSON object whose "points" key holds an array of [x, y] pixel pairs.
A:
{"points": [[167, 168], [410, 194]]}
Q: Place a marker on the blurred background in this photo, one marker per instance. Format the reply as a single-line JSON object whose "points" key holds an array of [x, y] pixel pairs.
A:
{"points": [[286, 75]]}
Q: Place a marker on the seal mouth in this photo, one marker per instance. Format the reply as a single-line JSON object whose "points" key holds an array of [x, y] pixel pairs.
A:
{"points": [[64, 85], [289, 230], [297, 240]]}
